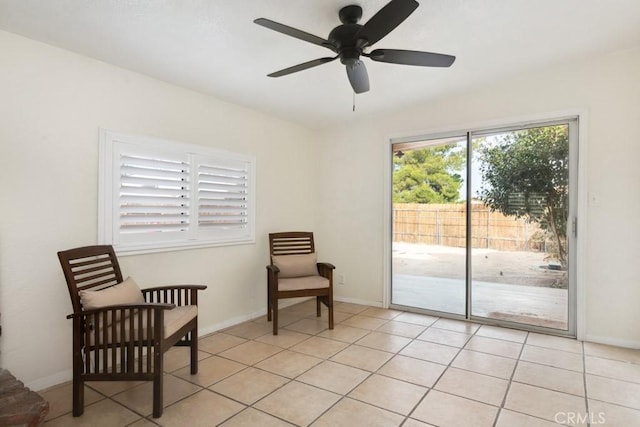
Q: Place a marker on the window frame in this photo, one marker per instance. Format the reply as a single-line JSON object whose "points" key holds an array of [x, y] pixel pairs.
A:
{"points": [[191, 233]]}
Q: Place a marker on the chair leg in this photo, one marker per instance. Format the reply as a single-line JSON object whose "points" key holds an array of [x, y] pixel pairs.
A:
{"points": [[275, 317], [330, 307], [318, 308], [269, 305], [78, 368], [157, 381], [78, 396], [194, 351]]}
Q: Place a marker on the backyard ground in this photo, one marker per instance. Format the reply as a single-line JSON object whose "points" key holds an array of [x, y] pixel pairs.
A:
{"points": [[488, 265]]}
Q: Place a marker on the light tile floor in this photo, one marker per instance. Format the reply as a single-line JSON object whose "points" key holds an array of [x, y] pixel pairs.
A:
{"points": [[376, 368]]}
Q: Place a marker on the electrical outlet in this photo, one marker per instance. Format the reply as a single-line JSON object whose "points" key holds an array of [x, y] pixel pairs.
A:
{"points": [[340, 278]]}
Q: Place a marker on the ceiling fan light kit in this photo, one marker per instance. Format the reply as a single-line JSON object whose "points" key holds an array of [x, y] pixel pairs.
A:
{"points": [[350, 40]]}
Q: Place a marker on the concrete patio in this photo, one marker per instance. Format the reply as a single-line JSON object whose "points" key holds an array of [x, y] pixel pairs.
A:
{"points": [[533, 305]]}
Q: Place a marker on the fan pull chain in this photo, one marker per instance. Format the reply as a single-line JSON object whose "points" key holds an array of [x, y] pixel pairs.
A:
{"points": [[354, 102]]}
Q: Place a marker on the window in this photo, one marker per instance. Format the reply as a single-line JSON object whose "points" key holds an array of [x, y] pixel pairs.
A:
{"points": [[161, 195]]}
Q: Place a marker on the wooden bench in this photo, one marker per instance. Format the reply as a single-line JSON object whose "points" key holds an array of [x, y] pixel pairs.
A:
{"points": [[20, 406]]}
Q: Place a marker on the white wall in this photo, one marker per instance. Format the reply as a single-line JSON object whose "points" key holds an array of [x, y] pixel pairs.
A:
{"points": [[52, 103], [606, 88]]}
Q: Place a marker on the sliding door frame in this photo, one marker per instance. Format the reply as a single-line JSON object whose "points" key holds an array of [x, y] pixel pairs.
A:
{"points": [[576, 120]]}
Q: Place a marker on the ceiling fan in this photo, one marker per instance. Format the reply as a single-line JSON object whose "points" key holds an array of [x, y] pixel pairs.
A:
{"points": [[350, 40]]}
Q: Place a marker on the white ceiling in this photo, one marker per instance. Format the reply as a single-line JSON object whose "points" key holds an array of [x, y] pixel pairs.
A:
{"points": [[213, 46]]}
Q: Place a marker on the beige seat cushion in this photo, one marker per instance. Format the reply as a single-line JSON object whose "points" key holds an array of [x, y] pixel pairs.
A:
{"points": [[174, 319], [298, 283], [178, 317], [296, 265]]}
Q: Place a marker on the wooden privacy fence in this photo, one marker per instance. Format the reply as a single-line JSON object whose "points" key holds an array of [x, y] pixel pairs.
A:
{"points": [[444, 224]]}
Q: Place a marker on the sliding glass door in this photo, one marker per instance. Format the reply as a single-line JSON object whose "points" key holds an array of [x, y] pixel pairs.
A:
{"points": [[483, 225], [429, 231]]}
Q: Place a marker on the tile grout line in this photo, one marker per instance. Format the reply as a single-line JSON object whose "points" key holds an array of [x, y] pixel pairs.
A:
{"points": [[290, 380], [515, 368], [443, 371], [586, 391], [344, 396], [368, 332]]}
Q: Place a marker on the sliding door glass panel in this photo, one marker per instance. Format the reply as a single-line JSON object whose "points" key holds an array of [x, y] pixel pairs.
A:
{"points": [[519, 215], [429, 225]]}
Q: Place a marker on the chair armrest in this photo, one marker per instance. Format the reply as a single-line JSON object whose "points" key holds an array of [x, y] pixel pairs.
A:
{"points": [[273, 269], [117, 326], [162, 288], [326, 265], [325, 269], [94, 311], [173, 294]]}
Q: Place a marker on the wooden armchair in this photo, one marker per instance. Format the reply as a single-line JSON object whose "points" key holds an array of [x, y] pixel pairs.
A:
{"points": [[294, 272], [120, 333]]}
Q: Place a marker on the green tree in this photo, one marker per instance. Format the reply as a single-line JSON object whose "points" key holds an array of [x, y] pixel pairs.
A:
{"points": [[428, 175], [526, 174]]}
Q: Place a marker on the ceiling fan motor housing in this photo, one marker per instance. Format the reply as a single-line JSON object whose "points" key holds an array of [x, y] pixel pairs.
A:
{"points": [[343, 37]]}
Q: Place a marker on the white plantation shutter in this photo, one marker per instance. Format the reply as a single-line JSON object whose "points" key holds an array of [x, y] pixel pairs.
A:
{"points": [[153, 196], [223, 194], [160, 195]]}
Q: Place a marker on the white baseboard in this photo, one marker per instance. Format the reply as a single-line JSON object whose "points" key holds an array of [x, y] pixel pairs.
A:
{"points": [[227, 324], [50, 381], [65, 376], [245, 317], [358, 301], [612, 341]]}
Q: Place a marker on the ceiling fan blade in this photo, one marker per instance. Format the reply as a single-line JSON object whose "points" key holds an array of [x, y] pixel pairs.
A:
{"points": [[300, 67], [293, 32], [411, 57], [383, 22], [358, 77]]}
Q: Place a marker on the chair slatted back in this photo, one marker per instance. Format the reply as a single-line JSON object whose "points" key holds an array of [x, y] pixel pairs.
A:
{"points": [[291, 243], [89, 267]]}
